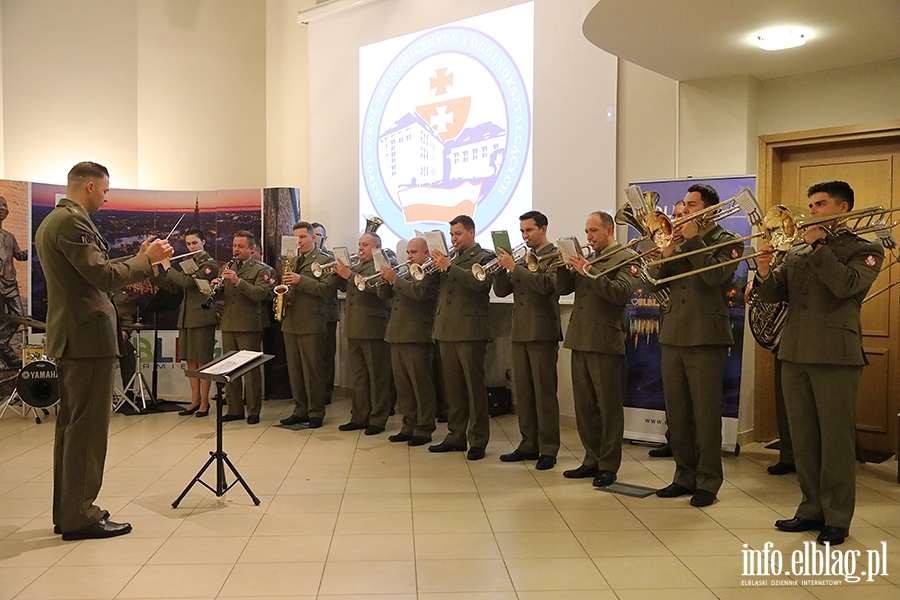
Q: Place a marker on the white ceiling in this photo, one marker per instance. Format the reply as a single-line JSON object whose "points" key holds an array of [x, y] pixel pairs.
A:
{"points": [[700, 39]]}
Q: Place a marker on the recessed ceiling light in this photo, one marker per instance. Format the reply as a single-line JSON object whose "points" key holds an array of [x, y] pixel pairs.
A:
{"points": [[781, 38]]}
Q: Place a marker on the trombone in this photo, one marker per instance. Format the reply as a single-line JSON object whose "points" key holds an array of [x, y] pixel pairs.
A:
{"points": [[492, 266], [319, 270], [377, 279]]}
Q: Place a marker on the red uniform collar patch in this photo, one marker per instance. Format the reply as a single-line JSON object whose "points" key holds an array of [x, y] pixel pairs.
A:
{"points": [[871, 260]]}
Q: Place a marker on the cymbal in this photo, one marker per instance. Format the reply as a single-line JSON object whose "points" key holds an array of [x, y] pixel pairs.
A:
{"points": [[26, 321]]}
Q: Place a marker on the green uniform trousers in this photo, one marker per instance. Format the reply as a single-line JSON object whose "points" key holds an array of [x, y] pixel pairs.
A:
{"points": [[468, 419], [785, 445], [370, 361], [247, 389], [412, 367], [330, 350], [307, 371], [598, 384], [535, 382]]}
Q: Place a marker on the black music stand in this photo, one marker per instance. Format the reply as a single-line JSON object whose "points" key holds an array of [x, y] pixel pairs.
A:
{"points": [[219, 455], [162, 301]]}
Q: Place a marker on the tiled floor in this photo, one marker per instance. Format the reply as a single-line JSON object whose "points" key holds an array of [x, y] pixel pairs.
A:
{"points": [[348, 516]]}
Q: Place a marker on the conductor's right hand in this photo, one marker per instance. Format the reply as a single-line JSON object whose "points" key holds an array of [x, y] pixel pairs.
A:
{"points": [[157, 250]]}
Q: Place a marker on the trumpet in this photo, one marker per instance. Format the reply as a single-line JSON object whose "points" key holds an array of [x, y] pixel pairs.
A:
{"points": [[279, 304], [552, 261], [207, 304], [492, 266], [419, 272], [377, 279], [319, 270]]}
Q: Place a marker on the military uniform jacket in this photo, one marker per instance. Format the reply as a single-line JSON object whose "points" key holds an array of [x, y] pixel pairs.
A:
{"points": [[367, 313], [332, 312], [825, 288], [697, 312], [81, 319], [191, 314], [412, 311], [244, 301], [307, 301], [597, 323], [462, 310], [535, 301]]}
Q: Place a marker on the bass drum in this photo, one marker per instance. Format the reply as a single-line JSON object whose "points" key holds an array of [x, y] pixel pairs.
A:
{"points": [[38, 384]]}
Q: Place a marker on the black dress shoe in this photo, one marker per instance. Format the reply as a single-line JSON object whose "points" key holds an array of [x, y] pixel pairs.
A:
{"points": [[400, 437], [442, 419], [418, 440], [294, 420], [604, 478], [252, 419], [475, 453], [834, 536], [446, 447], [351, 426], [202, 413], [702, 498], [673, 490], [799, 524], [664, 451], [102, 529], [545, 462], [517, 456], [315, 422], [58, 530], [230, 417], [781, 468], [581, 472], [374, 430], [188, 411]]}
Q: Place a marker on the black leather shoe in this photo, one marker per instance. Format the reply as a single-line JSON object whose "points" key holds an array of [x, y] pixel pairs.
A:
{"points": [[545, 462], [442, 419], [475, 453], [446, 447], [673, 490], [374, 430], [702, 498], [229, 417], [188, 411], [315, 422], [101, 529], [604, 478], [400, 437], [517, 456], [799, 524], [781, 468], [294, 420], [418, 440], [664, 451], [581, 472], [58, 530], [202, 413], [834, 536], [252, 419], [351, 426]]}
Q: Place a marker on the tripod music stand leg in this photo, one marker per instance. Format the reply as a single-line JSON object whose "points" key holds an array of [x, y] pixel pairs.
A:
{"points": [[196, 479], [241, 480]]}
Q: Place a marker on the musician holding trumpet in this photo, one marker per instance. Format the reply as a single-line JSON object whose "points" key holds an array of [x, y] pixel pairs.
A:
{"points": [[825, 279]]}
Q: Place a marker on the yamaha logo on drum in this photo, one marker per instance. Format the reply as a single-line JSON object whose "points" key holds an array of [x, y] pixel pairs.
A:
{"points": [[46, 374]]}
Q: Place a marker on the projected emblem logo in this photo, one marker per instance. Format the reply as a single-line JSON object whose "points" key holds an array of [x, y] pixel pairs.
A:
{"points": [[446, 131]]}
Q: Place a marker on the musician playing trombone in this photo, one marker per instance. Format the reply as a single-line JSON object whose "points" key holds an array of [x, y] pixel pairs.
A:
{"points": [[535, 336], [825, 279], [695, 334], [596, 337]]}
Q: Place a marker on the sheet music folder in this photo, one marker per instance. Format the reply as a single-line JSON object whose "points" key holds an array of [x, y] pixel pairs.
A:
{"points": [[230, 366]]}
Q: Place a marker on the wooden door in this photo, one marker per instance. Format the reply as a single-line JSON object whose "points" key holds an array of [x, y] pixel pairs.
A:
{"points": [[869, 160]]}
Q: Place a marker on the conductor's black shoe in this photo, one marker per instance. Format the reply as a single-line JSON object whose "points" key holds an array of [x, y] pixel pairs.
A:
{"points": [[252, 419], [702, 498], [663, 451], [294, 420], [781, 468], [418, 440], [833, 535], [102, 529], [517, 455], [400, 437], [673, 490], [446, 447], [374, 430], [604, 478], [58, 530], [351, 426], [315, 422], [581, 472], [188, 411], [545, 462], [229, 417], [799, 524], [475, 453]]}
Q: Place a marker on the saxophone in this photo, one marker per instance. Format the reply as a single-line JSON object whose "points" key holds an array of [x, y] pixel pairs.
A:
{"points": [[279, 304]]}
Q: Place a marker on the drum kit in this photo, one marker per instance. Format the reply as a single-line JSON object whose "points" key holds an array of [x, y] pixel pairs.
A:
{"points": [[36, 388]]}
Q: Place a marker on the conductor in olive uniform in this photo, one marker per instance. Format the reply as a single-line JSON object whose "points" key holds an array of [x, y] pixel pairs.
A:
{"points": [[305, 331], [535, 336], [246, 293], [82, 336], [825, 279], [596, 337], [368, 353], [412, 349], [462, 330], [695, 335]]}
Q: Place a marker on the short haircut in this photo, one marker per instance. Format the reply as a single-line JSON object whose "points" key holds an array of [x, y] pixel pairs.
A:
{"points": [[605, 218], [840, 191], [707, 192], [304, 225], [539, 218], [196, 232], [251, 239], [86, 170], [465, 220], [374, 235], [316, 224], [418, 240]]}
